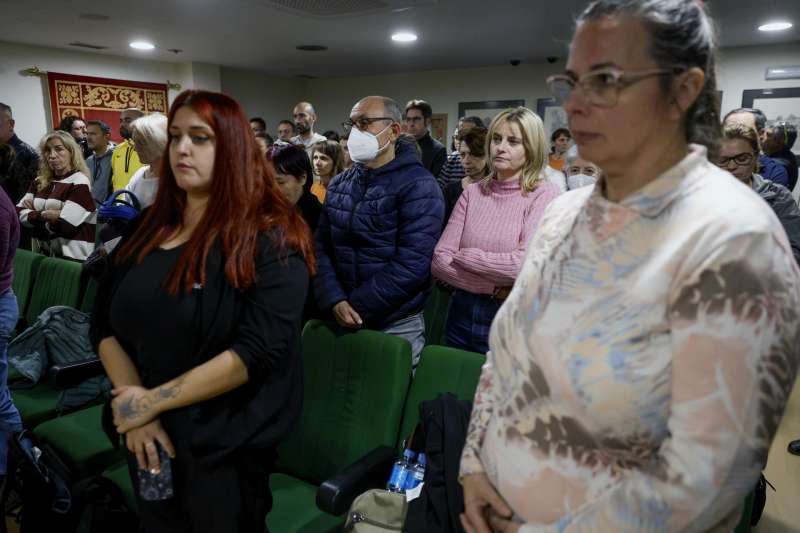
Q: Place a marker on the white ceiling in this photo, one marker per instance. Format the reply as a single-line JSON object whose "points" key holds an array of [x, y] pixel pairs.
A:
{"points": [[255, 34]]}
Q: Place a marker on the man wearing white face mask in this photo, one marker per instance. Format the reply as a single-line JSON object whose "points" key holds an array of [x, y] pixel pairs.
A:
{"points": [[379, 225], [579, 172]]}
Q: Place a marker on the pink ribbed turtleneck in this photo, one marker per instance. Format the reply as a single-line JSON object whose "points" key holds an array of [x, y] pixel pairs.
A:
{"points": [[485, 240]]}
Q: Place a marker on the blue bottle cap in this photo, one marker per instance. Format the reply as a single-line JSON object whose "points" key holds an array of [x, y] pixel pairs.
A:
{"points": [[421, 459], [408, 454]]}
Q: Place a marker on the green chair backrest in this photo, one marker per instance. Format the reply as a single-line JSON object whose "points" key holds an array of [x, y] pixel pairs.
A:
{"points": [[435, 314], [441, 369], [354, 388], [87, 302], [26, 264], [58, 282]]}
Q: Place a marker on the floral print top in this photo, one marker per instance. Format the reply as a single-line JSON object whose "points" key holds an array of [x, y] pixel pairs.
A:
{"points": [[640, 367]]}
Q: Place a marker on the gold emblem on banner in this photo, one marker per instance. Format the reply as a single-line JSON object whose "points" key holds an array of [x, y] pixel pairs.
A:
{"points": [[155, 101], [68, 93], [106, 96]]}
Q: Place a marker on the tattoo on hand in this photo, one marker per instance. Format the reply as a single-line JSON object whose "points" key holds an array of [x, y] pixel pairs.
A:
{"points": [[133, 407], [165, 393]]}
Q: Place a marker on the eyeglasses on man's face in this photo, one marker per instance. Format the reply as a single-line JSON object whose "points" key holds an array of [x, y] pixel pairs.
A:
{"points": [[742, 159], [363, 123], [602, 87]]}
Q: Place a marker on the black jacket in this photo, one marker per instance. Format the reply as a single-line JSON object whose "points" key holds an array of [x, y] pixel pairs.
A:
{"points": [[22, 171], [434, 154], [787, 158], [261, 325], [443, 429], [782, 202]]}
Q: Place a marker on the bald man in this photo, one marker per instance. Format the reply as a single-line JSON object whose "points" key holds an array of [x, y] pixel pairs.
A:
{"points": [[125, 161], [381, 220], [304, 119]]}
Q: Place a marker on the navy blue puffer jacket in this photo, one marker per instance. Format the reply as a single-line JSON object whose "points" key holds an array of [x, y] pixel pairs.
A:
{"points": [[375, 239]]}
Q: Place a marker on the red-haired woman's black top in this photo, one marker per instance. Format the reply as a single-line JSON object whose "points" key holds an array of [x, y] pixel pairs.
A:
{"points": [[166, 335]]}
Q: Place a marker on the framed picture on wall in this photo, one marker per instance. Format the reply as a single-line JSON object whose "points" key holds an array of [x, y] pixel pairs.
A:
{"points": [[779, 105], [552, 114], [486, 110]]}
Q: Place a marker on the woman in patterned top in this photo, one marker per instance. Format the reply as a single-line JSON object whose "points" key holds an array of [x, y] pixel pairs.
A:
{"points": [[638, 370], [58, 205]]}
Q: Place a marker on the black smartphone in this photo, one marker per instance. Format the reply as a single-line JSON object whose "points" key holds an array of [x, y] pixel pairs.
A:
{"points": [[154, 487]]}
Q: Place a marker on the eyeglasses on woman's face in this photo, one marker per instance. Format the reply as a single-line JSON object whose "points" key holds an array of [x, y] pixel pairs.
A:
{"points": [[739, 160], [601, 87]]}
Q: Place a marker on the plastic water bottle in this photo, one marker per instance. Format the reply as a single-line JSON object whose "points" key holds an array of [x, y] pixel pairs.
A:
{"points": [[400, 472], [417, 473]]}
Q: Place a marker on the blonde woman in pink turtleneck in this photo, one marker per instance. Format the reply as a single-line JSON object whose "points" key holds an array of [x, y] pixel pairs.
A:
{"points": [[481, 250]]}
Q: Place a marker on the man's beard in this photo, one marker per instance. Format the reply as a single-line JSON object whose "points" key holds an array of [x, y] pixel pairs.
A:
{"points": [[124, 132], [303, 128]]}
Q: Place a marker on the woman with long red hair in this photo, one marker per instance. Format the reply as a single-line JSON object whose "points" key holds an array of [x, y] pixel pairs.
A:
{"points": [[198, 325]]}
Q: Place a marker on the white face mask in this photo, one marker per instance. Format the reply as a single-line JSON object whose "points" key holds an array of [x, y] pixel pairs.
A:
{"points": [[363, 145], [580, 180]]}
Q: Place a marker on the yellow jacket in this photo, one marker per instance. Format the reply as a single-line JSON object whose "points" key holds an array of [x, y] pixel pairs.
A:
{"points": [[124, 163]]}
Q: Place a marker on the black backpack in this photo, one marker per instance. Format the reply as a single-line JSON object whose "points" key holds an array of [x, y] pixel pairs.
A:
{"points": [[53, 501], [441, 434]]}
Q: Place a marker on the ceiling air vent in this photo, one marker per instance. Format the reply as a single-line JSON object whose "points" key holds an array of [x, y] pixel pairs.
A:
{"points": [[88, 45], [342, 8], [311, 48]]}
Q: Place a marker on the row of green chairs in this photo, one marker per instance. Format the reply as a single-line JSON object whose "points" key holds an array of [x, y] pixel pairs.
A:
{"points": [[359, 403], [41, 282]]}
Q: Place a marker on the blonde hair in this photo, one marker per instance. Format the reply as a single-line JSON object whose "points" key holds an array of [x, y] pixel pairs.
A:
{"points": [[534, 140], [736, 131], [150, 131], [77, 164]]}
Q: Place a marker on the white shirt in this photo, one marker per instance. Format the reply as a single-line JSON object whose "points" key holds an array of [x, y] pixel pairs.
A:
{"points": [[308, 143], [144, 184], [556, 177]]}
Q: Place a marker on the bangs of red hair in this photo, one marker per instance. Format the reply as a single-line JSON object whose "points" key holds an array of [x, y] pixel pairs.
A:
{"points": [[244, 201]]}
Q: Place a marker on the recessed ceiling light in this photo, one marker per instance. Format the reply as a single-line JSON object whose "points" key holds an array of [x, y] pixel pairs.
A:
{"points": [[778, 25], [142, 45], [404, 37]]}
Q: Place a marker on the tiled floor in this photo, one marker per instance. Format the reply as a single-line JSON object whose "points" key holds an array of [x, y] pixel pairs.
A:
{"points": [[782, 513]]}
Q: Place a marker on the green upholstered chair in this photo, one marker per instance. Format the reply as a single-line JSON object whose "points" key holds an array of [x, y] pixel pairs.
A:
{"points": [[355, 384], [26, 265], [441, 369], [57, 282], [435, 314], [87, 302], [79, 442]]}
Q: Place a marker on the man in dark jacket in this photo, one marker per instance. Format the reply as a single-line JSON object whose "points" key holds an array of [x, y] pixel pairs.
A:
{"points": [[418, 123], [781, 201], [26, 161], [778, 142], [379, 225]]}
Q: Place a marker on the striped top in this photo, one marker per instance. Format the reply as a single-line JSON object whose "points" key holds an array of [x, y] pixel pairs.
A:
{"points": [[72, 235], [484, 242]]}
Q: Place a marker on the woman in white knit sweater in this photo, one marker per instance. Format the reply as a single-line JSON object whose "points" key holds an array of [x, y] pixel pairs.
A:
{"points": [[150, 139]]}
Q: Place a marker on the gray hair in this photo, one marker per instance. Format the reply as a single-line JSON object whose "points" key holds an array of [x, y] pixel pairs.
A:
{"points": [[392, 109], [151, 130], [682, 36]]}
